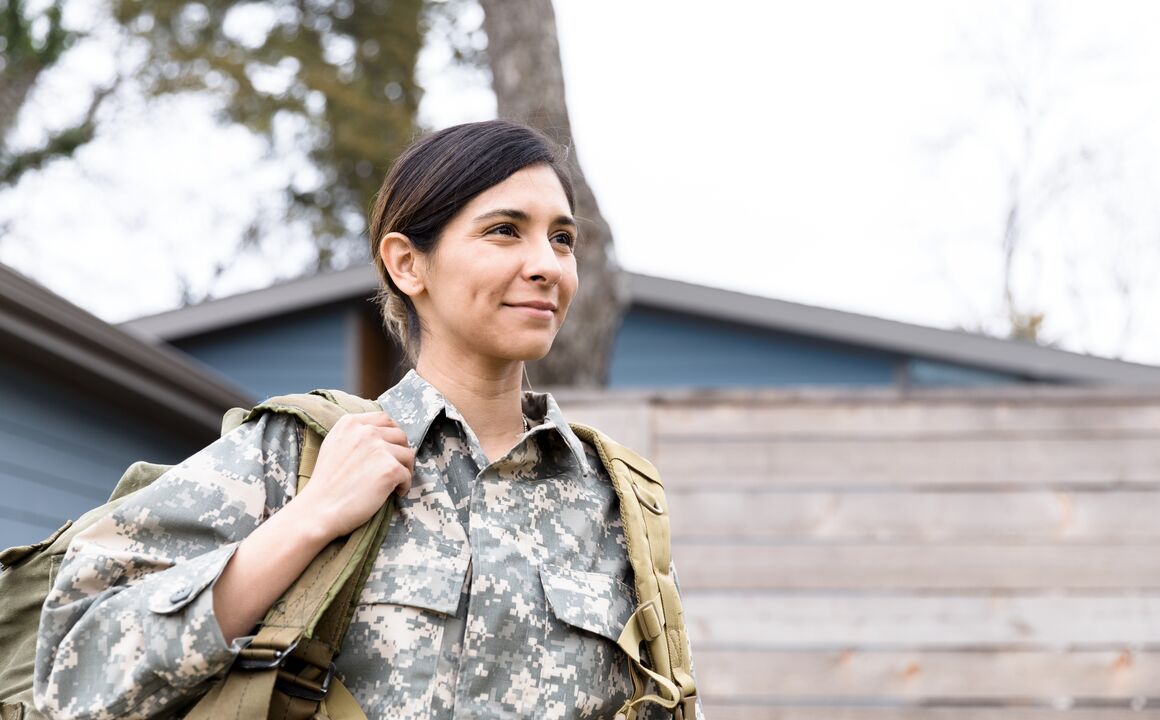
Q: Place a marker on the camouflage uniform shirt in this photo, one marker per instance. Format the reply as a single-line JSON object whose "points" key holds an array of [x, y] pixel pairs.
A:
{"points": [[499, 591]]}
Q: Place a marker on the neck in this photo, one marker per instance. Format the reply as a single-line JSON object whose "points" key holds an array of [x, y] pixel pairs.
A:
{"points": [[487, 394]]}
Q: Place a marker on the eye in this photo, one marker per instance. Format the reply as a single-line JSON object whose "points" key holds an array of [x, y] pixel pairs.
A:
{"points": [[565, 238], [505, 229]]}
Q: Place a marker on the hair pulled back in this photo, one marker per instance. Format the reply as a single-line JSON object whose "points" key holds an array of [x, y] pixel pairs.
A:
{"points": [[432, 181]]}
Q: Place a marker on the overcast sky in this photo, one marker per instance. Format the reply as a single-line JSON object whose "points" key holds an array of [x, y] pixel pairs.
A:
{"points": [[860, 156]]}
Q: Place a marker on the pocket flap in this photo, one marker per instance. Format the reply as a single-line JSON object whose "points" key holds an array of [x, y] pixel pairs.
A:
{"points": [[595, 602], [430, 577], [173, 595]]}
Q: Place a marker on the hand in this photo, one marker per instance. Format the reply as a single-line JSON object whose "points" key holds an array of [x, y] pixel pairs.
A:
{"points": [[362, 460]]}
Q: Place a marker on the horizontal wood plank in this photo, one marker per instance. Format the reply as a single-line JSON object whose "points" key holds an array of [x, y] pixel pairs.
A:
{"points": [[914, 556], [880, 463], [927, 676], [628, 423], [922, 622], [868, 417], [916, 516], [893, 567]]}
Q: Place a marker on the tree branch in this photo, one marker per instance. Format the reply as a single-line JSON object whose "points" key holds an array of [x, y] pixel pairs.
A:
{"points": [[60, 144]]}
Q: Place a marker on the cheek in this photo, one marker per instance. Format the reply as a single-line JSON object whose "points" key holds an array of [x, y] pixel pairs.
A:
{"points": [[570, 282]]}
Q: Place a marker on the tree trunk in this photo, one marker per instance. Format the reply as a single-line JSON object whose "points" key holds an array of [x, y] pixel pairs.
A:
{"points": [[15, 85], [528, 80]]}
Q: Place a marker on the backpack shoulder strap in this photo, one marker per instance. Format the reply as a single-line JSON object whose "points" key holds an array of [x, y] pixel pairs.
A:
{"points": [[305, 627], [318, 411], [658, 620]]}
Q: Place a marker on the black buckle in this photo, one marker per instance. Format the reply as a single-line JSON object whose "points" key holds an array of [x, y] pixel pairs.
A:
{"points": [[294, 686], [269, 659], [288, 682]]}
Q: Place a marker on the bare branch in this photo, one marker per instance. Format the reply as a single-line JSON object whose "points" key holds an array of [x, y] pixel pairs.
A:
{"points": [[60, 144]]}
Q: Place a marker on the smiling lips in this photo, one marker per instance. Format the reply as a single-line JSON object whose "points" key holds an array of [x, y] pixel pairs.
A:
{"points": [[536, 308]]}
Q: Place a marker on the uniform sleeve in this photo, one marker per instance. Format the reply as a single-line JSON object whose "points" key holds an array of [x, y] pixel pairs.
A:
{"points": [[128, 629]]}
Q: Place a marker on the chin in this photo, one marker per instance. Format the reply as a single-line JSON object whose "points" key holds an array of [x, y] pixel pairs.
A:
{"points": [[528, 354], [527, 351]]}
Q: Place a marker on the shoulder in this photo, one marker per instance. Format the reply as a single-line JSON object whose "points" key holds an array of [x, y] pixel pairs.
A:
{"points": [[241, 477], [601, 448]]}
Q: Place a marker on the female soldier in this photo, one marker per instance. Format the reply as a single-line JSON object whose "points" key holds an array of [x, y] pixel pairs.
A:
{"points": [[499, 502]]}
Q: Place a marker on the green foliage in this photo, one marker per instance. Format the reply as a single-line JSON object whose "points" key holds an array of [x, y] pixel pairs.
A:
{"points": [[31, 41], [341, 71], [24, 49]]}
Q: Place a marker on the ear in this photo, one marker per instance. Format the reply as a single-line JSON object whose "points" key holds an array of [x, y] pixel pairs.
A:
{"points": [[404, 263]]}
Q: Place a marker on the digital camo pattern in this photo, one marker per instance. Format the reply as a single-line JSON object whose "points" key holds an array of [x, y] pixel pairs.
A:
{"points": [[127, 630], [498, 592]]}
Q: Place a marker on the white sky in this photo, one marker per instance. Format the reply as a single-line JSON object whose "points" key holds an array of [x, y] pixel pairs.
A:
{"points": [[837, 153]]}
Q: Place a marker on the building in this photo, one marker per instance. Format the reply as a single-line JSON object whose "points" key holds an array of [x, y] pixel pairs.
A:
{"points": [[81, 401], [323, 331], [942, 527]]}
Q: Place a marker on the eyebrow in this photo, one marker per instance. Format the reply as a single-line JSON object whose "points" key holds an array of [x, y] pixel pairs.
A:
{"points": [[521, 216]]}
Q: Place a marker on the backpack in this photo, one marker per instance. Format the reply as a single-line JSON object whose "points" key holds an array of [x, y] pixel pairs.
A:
{"points": [[286, 669]]}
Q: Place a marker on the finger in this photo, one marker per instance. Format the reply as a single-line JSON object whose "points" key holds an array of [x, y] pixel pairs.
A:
{"points": [[403, 487], [379, 419], [405, 456], [392, 435]]}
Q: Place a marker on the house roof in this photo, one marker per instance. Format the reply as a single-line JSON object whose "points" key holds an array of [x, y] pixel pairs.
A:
{"points": [[37, 325], [1008, 356]]}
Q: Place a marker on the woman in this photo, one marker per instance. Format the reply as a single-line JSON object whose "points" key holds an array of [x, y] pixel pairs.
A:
{"points": [[473, 237]]}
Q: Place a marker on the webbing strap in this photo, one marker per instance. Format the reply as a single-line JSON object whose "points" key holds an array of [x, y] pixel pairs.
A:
{"points": [[340, 704], [630, 641], [248, 699], [658, 620], [11, 711], [303, 630], [332, 626]]}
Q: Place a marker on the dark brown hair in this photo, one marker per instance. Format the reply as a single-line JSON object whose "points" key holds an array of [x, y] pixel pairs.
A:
{"points": [[431, 182]]}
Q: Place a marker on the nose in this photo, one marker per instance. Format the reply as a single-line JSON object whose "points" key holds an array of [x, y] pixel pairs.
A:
{"points": [[542, 263]]}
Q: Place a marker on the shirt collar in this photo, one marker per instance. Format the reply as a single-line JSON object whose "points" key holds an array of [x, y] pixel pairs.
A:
{"points": [[542, 407], [414, 404]]}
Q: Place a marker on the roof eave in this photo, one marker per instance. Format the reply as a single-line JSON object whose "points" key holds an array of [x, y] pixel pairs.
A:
{"points": [[1022, 359], [1008, 356], [64, 339]]}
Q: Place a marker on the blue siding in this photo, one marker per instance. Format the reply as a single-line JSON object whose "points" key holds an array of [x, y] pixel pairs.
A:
{"points": [[926, 373], [61, 452], [657, 348], [297, 352]]}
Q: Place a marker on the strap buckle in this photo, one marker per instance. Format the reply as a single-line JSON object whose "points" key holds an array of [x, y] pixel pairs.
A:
{"points": [[299, 687], [686, 709], [290, 683], [251, 658]]}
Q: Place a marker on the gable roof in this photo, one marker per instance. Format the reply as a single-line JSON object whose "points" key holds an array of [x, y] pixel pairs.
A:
{"points": [[38, 326], [1008, 356]]}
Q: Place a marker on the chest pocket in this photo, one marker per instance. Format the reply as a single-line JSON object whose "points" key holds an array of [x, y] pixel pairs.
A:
{"points": [[393, 646], [428, 576], [587, 613]]}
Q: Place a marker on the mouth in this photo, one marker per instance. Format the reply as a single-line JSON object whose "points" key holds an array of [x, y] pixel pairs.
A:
{"points": [[537, 304], [545, 310]]}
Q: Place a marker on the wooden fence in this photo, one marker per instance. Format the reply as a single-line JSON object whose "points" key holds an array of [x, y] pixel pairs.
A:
{"points": [[924, 555]]}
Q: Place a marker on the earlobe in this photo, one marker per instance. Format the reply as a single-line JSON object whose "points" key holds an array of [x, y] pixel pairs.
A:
{"points": [[403, 263]]}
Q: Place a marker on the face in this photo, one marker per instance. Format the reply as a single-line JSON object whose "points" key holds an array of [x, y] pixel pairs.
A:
{"points": [[503, 272]]}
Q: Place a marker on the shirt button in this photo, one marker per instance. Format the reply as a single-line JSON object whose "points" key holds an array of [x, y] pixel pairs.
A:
{"points": [[180, 595]]}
